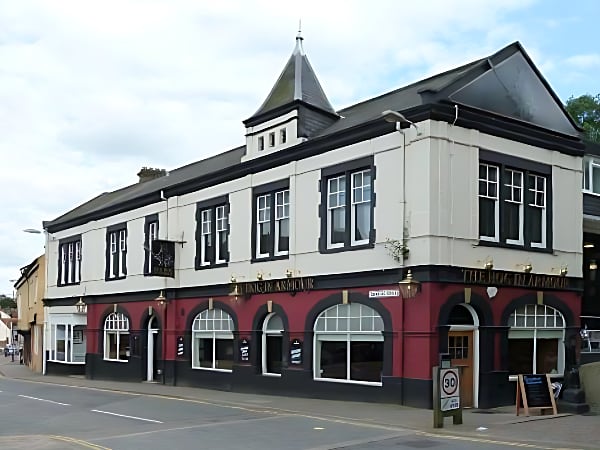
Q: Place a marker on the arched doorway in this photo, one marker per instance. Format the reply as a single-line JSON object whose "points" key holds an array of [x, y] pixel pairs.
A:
{"points": [[272, 345], [463, 347], [152, 349]]}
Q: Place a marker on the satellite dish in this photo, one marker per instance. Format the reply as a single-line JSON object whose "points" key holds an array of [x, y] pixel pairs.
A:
{"points": [[492, 291]]}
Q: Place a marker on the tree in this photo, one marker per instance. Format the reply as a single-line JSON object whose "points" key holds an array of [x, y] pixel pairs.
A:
{"points": [[7, 303], [585, 109]]}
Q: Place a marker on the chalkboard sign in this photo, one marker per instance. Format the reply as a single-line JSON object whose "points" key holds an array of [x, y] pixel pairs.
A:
{"points": [[296, 352], [244, 350], [534, 391]]}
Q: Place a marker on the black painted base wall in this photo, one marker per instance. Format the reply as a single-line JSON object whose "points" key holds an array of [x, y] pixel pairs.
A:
{"points": [[54, 368], [495, 389], [587, 358], [97, 368]]}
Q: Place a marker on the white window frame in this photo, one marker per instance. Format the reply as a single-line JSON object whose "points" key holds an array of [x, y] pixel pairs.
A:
{"points": [[266, 332], [534, 192], [205, 235], [282, 213], [589, 165], [543, 319], [69, 357], [488, 183], [340, 203], [272, 139], [116, 324], [263, 216], [70, 260], [364, 199], [222, 226], [338, 325], [515, 196], [201, 330], [152, 236], [113, 242]]}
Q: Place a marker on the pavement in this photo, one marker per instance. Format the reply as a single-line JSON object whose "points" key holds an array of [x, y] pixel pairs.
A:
{"points": [[564, 431]]}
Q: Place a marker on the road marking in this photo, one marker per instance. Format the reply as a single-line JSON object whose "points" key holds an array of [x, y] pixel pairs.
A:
{"points": [[492, 441], [126, 417], [80, 442], [44, 400]]}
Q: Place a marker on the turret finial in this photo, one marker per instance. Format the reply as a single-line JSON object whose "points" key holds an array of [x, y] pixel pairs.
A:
{"points": [[299, 39]]}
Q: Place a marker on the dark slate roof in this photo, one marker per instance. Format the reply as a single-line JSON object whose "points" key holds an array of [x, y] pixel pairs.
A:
{"points": [[434, 90], [296, 82], [177, 176]]}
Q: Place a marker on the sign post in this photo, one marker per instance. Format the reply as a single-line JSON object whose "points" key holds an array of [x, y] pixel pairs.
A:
{"points": [[446, 393]]}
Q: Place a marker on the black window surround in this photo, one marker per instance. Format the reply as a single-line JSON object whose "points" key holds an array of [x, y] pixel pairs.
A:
{"points": [[212, 207], [270, 190], [346, 169], [69, 260], [151, 225], [507, 165], [116, 252]]}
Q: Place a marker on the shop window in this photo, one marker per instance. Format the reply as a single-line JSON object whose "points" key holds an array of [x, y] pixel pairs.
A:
{"points": [[66, 344], [349, 344], [116, 337], [272, 345], [212, 340], [536, 339], [514, 198]]}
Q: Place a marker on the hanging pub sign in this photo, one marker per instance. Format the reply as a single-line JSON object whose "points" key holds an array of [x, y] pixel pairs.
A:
{"points": [[296, 352], [244, 350], [179, 345], [163, 258]]}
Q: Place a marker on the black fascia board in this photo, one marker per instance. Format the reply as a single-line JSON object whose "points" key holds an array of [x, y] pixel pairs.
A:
{"points": [[505, 127], [277, 112], [307, 149]]}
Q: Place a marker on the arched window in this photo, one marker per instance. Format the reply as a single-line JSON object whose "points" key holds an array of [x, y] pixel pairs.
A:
{"points": [[212, 340], [116, 337], [536, 340], [272, 345], [348, 343]]}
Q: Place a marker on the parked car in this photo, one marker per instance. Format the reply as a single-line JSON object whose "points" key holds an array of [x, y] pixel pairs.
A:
{"points": [[10, 349]]}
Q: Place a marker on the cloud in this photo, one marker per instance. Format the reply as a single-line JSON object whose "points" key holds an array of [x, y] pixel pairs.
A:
{"points": [[587, 61], [92, 91]]}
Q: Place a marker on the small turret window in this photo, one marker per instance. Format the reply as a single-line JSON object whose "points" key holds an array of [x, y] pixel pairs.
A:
{"points": [[261, 143], [271, 139], [282, 136]]}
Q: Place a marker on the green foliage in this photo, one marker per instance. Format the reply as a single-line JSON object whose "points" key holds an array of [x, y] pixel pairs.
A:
{"points": [[585, 109], [7, 302], [396, 249]]}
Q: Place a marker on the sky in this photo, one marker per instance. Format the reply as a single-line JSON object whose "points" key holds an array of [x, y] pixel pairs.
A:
{"points": [[91, 91]]}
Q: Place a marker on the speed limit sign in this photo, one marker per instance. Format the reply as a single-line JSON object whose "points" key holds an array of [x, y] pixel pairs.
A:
{"points": [[449, 383]]}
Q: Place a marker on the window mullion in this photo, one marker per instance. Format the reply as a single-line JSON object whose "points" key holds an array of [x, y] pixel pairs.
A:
{"points": [[349, 211]]}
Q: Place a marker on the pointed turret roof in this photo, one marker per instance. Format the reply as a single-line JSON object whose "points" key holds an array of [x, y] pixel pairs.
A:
{"points": [[297, 82]]}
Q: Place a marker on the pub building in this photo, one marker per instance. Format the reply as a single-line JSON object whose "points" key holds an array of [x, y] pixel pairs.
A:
{"points": [[338, 253]]}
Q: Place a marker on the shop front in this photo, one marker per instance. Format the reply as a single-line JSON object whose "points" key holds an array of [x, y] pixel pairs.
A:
{"points": [[365, 343]]}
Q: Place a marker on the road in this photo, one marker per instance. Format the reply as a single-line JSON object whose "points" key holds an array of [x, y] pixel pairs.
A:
{"points": [[48, 416]]}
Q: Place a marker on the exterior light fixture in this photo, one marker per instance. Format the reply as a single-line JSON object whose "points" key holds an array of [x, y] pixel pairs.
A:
{"points": [[80, 306], [259, 276], [527, 268], [161, 299], [399, 119], [232, 279], [289, 273], [588, 245], [489, 265], [409, 287], [563, 271], [593, 264]]}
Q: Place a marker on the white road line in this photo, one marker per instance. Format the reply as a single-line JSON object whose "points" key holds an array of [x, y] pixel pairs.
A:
{"points": [[44, 400], [127, 417]]}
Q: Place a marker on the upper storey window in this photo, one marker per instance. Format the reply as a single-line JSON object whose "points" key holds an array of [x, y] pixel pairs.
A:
{"points": [[150, 234], [212, 233], [514, 202], [347, 205], [69, 261], [116, 252], [591, 175], [271, 224]]}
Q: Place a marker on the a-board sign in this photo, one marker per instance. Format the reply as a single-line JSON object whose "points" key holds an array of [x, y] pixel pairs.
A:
{"points": [[534, 391]]}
